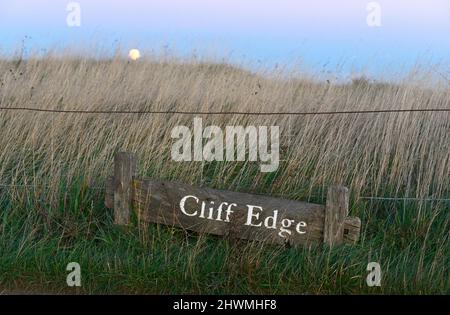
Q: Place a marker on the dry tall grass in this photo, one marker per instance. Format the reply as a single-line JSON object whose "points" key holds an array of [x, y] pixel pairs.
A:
{"points": [[404, 154], [56, 219]]}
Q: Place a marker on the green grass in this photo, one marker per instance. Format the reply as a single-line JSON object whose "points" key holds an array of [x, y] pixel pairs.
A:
{"points": [[409, 240], [60, 220]]}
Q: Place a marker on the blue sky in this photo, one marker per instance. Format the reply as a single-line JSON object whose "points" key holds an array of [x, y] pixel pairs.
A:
{"points": [[318, 34]]}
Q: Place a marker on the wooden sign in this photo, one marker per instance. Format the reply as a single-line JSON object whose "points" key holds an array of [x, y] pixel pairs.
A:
{"points": [[226, 213]]}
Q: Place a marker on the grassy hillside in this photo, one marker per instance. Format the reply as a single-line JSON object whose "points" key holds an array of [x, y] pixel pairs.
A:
{"points": [[53, 167]]}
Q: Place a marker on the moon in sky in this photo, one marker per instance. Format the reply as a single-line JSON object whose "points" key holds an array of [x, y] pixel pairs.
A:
{"points": [[134, 54]]}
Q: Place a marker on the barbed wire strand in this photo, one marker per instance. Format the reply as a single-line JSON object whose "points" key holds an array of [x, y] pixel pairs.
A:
{"points": [[175, 112], [381, 111], [361, 197]]}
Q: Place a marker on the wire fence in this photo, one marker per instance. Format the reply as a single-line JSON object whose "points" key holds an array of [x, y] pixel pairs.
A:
{"points": [[102, 188], [177, 112]]}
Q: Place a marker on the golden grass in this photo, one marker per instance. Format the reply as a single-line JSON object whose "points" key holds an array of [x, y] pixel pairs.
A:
{"points": [[396, 154]]}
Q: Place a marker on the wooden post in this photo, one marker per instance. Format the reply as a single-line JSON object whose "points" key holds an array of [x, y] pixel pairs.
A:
{"points": [[124, 171], [352, 230], [336, 211]]}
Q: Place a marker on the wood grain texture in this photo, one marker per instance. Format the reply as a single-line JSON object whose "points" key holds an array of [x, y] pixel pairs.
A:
{"points": [[352, 230], [336, 211], [158, 202], [124, 172]]}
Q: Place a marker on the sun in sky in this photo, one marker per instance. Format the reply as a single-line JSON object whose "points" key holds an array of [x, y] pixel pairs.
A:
{"points": [[134, 54]]}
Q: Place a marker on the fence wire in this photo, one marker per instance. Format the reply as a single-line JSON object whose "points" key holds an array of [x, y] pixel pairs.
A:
{"points": [[126, 112], [360, 197]]}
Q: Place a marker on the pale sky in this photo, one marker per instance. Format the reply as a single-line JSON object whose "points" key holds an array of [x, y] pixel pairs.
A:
{"points": [[317, 32]]}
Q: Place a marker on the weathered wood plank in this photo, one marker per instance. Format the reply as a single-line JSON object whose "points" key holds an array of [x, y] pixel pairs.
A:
{"points": [[219, 212], [159, 202], [352, 230], [352, 225], [124, 172], [336, 211]]}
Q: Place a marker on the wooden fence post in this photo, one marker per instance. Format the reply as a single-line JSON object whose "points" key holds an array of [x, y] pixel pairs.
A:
{"points": [[124, 171], [336, 211]]}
